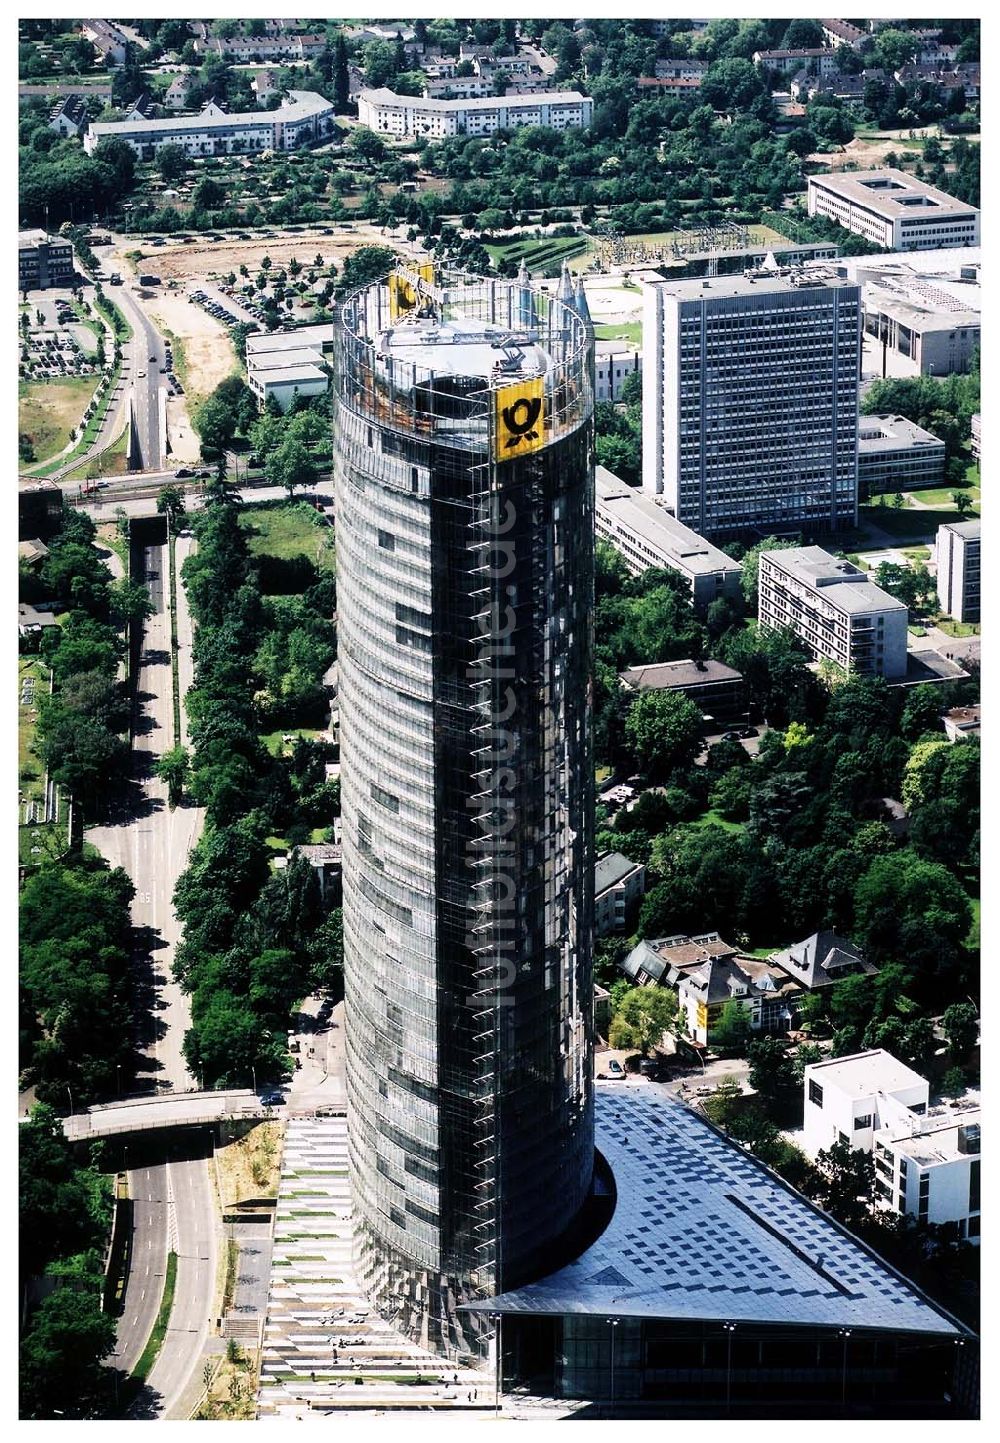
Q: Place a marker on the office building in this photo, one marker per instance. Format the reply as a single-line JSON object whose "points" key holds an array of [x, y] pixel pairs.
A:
{"points": [[750, 402], [463, 479], [286, 364], [43, 261], [895, 454], [832, 606], [716, 689], [958, 563], [645, 534], [893, 210], [389, 114], [927, 1156], [302, 119]]}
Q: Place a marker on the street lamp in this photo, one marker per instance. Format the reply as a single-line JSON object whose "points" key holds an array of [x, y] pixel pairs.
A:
{"points": [[729, 1329], [497, 1344], [253, 1074], [845, 1333], [71, 1107], [614, 1325]]}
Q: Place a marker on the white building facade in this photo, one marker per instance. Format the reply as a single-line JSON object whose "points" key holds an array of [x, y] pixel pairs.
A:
{"points": [[892, 209], [303, 118], [959, 565], [927, 1158], [387, 113], [831, 605]]}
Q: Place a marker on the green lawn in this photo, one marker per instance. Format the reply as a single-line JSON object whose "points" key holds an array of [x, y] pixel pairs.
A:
{"points": [[49, 410], [908, 523], [291, 529], [941, 496], [973, 938], [712, 818], [624, 330], [274, 744], [950, 627], [544, 254]]}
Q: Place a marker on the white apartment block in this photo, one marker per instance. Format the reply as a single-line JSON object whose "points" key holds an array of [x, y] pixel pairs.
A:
{"points": [[302, 118], [613, 364], [976, 444], [958, 554], [750, 401], [396, 115], [891, 209], [790, 62], [832, 606], [926, 1158], [645, 534]]}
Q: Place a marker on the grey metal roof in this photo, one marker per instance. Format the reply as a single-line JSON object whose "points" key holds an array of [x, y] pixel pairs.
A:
{"points": [[703, 1232], [610, 868]]}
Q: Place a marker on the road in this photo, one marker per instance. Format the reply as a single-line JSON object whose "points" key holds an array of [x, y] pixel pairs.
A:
{"points": [[148, 356], [147, 1187], [194, 1228], [152, 843]]}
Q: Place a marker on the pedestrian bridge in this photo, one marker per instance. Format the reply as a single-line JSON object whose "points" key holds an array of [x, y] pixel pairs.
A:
{"points": [[176, 1109]]}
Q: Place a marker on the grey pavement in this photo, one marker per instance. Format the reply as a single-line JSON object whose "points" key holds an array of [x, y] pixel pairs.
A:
{"points": [[195, 1233], [147, 1188], [153, 843], [148, 353]]}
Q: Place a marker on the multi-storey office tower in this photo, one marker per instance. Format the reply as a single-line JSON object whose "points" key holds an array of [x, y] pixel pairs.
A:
{"points": [[750, 402], [465, 534]]}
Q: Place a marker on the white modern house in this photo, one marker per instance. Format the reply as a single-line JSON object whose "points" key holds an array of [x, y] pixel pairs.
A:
{"points": [[926, 1157], [284, 365]]}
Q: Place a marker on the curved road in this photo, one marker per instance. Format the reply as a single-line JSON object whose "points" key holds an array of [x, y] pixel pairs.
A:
{"points": [[192, 1228], [147, 1187]]}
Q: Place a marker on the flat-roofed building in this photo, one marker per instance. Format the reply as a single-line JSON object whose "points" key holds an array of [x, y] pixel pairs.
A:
{"points": [[892, 209], [958, 569], [390, 114], [302, 118], [832, 606], [717, 689], [849, 1099], [614, 362], [750, 401], [895, 454], [645, 534], [976, 432], [288, 364], [43, 261], [927, 1155]]}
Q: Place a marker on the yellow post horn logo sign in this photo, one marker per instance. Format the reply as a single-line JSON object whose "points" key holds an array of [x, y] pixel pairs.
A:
{"points": [[520, 418], [404, 297]]}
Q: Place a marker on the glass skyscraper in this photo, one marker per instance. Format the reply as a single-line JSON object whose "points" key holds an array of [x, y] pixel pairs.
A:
{"points": [[465, 536]]}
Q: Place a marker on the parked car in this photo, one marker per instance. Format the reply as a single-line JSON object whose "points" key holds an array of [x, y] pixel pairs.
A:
{"points": [[272, 1098], [732, 736], [181, 473], [748, 734], [615, 1068]]}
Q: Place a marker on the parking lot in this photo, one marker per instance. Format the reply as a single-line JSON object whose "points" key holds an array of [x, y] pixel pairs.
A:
{"points": [[56, 341]]}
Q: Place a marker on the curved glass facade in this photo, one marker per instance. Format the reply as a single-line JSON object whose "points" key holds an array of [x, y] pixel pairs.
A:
{"points": [[465, 532]]}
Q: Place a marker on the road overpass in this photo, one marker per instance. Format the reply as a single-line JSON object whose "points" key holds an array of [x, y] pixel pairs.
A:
{"points": [[177, 1109]]}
